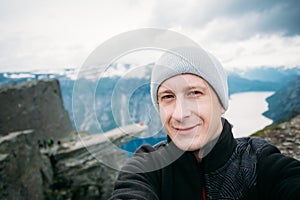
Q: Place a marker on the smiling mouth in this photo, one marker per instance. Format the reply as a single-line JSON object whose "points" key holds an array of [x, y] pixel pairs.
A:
{"points": [[184, 129]]}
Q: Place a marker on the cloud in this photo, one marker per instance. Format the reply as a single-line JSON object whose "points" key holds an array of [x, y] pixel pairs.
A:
{"points": [[260, 51], [63, 33], [60, 33], [249, 16], [241, 33]]}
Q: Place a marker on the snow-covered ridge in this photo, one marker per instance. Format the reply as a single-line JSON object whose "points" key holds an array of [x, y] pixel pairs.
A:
{"points": [[39, 74], [93, 72]]}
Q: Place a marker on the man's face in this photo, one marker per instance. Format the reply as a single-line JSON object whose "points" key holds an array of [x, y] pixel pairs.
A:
{"points": [[190, 111]]}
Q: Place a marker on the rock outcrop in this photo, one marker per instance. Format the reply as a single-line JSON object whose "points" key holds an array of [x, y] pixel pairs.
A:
{"points": [[24, 171], [87, 168], [285, 136], [83, 169], [34, 105]]}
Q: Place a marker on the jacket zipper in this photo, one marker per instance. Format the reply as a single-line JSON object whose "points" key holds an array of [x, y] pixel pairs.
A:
{"points": [[203, 193]]}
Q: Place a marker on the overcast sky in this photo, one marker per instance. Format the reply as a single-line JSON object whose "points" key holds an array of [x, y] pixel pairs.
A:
{"points": [[40, 34]]}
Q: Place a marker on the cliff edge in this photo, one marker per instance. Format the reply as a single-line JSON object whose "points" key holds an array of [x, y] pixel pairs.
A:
{"points": [[285, 136], [34, 105]]}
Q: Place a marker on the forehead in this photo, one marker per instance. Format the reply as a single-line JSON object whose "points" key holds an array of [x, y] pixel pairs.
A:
{"points": [[182, 81]]}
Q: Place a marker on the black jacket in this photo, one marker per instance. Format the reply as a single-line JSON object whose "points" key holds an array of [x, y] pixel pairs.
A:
{"points": [[244, 168]]}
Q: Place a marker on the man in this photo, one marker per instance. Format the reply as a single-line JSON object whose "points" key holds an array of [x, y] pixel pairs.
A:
{"points": [[201, 159]]}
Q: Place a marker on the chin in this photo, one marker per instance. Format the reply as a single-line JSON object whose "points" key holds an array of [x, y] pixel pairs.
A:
{"points": [[188, 146]]}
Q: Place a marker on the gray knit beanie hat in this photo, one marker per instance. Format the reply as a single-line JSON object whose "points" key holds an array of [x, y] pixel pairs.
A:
{"points": [[190, 60]]}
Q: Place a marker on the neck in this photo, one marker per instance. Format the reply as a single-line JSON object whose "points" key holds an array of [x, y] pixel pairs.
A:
{"points": [[198, 155], [201, 153]]}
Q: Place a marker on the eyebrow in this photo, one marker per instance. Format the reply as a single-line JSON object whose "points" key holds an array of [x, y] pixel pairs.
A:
{"points": [[167, 91], [196, 87]]}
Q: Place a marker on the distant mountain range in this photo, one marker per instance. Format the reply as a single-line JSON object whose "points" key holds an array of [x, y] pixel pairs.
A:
{"points": [[285, 103], [137, 107], [269, 74]]}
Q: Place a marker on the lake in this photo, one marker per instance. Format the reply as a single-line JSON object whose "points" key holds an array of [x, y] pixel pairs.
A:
{"points": [[245, 112]]}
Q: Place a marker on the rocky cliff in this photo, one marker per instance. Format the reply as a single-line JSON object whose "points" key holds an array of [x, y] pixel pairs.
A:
{"points": [[34, 105], [83, 169], [88, 167], [24, 171], [285, 136], [79, 167]]}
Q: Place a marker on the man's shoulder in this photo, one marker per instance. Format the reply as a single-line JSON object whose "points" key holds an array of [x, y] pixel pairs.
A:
{"points": [[147, 148], [253, 143], [251, 148]]}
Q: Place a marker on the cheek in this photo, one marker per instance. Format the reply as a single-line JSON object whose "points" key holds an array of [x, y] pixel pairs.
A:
{"points": [[163, 115], [201, 108]]}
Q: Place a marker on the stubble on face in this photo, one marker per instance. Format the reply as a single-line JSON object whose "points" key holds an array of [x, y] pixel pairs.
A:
{"points": [[190, 111]]}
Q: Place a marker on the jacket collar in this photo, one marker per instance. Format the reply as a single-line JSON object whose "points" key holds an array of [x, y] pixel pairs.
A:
{"points": [[222, 150], [219, 154]]}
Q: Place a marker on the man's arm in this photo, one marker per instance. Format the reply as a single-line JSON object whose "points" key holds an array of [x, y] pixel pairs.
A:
{"points": [[278, 176], [133, 186], [133, 182]]}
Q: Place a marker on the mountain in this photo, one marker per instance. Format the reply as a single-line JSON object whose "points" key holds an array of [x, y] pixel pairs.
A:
{"points": [[117, 101], [268, 74], [284, 101], [238, 84]]}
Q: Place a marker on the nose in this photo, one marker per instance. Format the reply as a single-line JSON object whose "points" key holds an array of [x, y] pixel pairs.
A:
{"points": [[181, 110]]}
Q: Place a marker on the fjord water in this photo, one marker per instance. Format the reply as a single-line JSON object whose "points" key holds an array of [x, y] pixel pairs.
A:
{"points": [[245, 112]]}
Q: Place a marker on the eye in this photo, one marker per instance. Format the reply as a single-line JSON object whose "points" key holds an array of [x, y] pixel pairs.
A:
{"points": [[167, 97], [195, 93]]}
